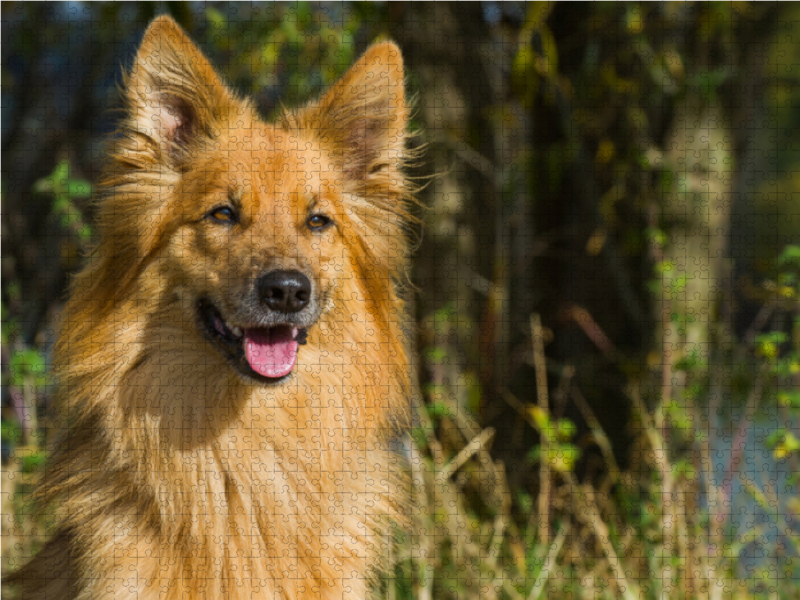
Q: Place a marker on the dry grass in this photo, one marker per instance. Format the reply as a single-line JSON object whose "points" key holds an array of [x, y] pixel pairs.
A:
{"points": [[645, 533], [655, 531]]}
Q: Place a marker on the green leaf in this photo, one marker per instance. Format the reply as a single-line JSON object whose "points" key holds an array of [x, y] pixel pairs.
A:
{"points": [[562, 457], [435, 355], [565, 430], [789, 256], [215, 18], [33, 460], [789, 398], [437, 410], [10, 431], [27, 367], [78, 188]]}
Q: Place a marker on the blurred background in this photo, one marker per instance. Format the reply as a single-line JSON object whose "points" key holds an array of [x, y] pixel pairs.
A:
{"points": [[606, 286]]}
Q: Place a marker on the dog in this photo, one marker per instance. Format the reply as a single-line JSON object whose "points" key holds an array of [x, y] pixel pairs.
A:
{"points": [[233, 359]]}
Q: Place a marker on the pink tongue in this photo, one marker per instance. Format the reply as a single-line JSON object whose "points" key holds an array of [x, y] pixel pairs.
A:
{"points": [[270, 352]]}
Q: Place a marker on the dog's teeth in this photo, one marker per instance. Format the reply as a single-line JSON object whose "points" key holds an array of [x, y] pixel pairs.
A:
{"points": [[219, 325], [236, 331]]}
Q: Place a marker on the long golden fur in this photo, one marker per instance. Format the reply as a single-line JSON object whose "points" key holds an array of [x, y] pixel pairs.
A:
{"points": [[180, 474]]}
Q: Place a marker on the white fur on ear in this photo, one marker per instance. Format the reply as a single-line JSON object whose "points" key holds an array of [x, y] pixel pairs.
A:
{"points": [[173, 117]]}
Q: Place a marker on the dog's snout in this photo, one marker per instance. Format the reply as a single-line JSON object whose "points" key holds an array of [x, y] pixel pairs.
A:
{"points": [[284, 291]]}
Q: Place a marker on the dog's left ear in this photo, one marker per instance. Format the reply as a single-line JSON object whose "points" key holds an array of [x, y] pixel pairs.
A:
{"points": [[363, 117]]}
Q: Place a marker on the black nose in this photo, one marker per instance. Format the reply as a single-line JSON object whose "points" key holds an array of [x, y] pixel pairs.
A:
{"points": [[284, 291]]}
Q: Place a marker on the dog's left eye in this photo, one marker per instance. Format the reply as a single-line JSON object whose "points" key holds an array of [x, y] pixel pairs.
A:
{"points": [[223, 214], [318, 222]]}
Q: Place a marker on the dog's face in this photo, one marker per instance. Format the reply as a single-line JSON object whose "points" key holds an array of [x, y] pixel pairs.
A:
{"points": [[258, 229], [261, 252]]}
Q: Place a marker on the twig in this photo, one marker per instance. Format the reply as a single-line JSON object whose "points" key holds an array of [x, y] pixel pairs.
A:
{"points": [[430, 439], [713, 489], [517, 405], [552, 555], [653, 437], [560, 395], [474, 446], [597, 431], [715, 516], [591, 329], [770, 505], [741, 434], [762, 318], [591, 517], [653, 426], [500, 522], [470, 156], [424, 556], [544, 443]]}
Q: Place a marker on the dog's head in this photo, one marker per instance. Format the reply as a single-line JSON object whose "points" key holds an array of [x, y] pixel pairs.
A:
{"points": [[257, 230]]}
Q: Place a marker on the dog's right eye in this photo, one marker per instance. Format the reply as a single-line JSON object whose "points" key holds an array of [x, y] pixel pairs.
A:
{"points": [[223, 214]]}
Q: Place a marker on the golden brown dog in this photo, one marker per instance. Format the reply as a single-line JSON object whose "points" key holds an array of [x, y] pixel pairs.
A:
{"points": [[232, 356]]}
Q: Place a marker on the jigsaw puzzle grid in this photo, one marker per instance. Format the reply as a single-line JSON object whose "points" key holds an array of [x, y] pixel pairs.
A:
{"points": [[585, 385]]}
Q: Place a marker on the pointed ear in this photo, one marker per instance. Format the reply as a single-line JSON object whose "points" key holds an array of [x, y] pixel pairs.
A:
{"points": [[173, 92], [363, 117]]}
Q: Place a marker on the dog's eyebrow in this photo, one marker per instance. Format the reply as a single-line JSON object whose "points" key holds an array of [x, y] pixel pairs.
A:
{"points": [[234, 194], [312, 202]]}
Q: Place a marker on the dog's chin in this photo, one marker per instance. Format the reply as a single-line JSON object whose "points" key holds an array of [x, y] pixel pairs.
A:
{"points": [[264, 355]]}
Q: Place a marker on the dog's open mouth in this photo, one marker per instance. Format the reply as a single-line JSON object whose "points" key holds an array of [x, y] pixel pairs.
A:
{"points": [[261, 352]]}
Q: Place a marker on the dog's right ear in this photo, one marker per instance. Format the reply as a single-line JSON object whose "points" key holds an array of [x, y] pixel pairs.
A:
{"points": [[173, 92]]}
